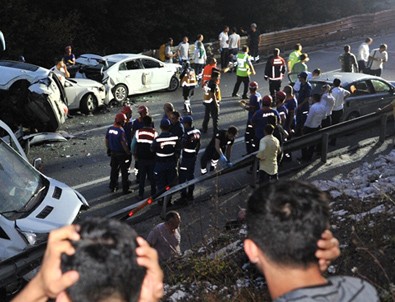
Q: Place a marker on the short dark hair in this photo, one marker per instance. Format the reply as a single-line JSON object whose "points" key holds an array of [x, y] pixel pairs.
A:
{"points": [[106, 261], [276, 51], [316, 97], [176, 114], [147, 121], [233, 130], [336, 82], [269, 128], [347, 48], [286, 219], [297, 46], [245, 48], [368, 40], [215, 72], [171, 214]]}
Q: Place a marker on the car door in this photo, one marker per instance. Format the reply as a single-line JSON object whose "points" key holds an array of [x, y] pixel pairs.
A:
{"points": [[156, 75], [360, 100], [131, 72], [384, 93]]}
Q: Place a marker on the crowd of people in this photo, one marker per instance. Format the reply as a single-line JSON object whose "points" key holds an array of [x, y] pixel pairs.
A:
{"points": [[288, 237]]}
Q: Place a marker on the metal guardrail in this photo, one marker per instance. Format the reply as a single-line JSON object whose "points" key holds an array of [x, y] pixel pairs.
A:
{"points": [[17, 266]]}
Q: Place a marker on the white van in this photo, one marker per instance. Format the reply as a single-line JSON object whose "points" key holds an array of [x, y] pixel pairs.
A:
{"points": [[31, 204]]}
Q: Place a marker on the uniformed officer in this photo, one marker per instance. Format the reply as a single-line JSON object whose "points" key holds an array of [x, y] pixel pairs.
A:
{"points": [[190, 145], [211, 100], [252, 106], [141, 149], [119, 151], [260, 118], [128, 127], [221, 143], [166, 149], [243, 71]]}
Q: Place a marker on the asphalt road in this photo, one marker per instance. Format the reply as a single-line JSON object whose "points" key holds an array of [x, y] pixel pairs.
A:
{"points": [[82, 162]]}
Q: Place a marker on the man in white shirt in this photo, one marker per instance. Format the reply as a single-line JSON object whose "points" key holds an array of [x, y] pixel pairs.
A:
{"points": [[363, 54], [234, 42], [378, 56], [224, 46], [312, 124], [340, 94], [183, 50]]}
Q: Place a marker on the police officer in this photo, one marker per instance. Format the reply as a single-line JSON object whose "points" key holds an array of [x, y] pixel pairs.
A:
{"points": [[261, 118], [128, 127], [252, 106], [166, 148], [211, 100], [243, 71], [221, 143], [176, 127], [190, 145], [141, 149], [119, 151]]}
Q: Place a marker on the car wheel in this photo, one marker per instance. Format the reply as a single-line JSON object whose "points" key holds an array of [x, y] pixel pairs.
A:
{"points": [[352, 116], [120, 93], [88, 103], [174, 83]]}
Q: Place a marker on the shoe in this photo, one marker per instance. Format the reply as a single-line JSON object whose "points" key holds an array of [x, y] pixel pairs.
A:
{"points": [[70, 116], [113, 190], [235, 95], [127, 192], [244, 97]]}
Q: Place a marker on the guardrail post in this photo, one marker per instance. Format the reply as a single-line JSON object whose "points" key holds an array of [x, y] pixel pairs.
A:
{"points": [[164, 208], [254, 173], [383, 127], [324, 147]]}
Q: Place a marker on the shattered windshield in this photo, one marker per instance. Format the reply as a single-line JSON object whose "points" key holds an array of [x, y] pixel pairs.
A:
{"points": [[20, 183]]}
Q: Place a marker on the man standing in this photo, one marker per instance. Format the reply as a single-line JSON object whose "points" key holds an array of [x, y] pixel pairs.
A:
{"points": [[221, 143], [166, 149], [243, 71], [118, 149], [166, 237], [294, 57], [348, 61], [378, 57], [269, 148], [169, 55], [224, 47], [211, 100], [252, 106], [284, 223], [363, 54], [312, 124], [303, 102], [141, 149], [188, 84], [274, 71], [340, 94], [183, 50], [261, 117], [234, 42], [253, 41], [190, 145], [128, 128]]}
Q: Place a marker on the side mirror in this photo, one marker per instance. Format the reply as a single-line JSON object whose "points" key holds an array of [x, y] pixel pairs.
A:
{"points": [[2, 41]]}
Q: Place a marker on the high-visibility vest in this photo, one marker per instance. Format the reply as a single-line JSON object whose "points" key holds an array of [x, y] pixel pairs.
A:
{"points": [[243, 68]]}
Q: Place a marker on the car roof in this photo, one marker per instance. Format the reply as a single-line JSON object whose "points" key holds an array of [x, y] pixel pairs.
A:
{"points": [[124, 56], [19, 65], [345, 77]]}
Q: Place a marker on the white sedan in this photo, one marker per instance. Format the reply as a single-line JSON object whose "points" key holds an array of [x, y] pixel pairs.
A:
{"points": [[129, 74]]}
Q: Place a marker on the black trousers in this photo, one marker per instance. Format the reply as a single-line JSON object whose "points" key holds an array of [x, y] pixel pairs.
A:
{"points": [[245, 81], [336, 119], [224, 57], [274, 86], [211, 109], [187, 172], [146, 169], [119, 162], [307, 153]]}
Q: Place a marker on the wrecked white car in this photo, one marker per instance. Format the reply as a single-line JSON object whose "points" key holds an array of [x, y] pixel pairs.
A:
{"points": [[31, 96], [31, 204], [128, 74]]}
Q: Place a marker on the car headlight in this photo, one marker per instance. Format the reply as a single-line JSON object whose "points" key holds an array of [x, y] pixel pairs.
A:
{"points": [[34, 238]]}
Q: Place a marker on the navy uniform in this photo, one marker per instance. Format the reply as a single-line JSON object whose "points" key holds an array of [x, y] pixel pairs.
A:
{"points": [[141, 148], [166, 149], [190, 144], [119, 151], [252, 106], [224, 139], [261, 118]]}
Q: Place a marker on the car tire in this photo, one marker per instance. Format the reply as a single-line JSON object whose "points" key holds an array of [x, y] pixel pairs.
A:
{"points": [[120, 93], [352, 116], [88, 103], [174, 83]]}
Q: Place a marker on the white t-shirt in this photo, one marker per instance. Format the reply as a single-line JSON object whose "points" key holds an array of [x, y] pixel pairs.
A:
{"points": [[234, 41], [199, 55], [380, 58], [183, 48], [339, 94], [328, 101], [61, 73], [363, 52], [223, 40], [315, 116]]}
